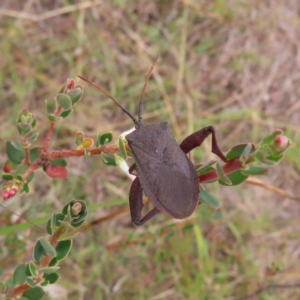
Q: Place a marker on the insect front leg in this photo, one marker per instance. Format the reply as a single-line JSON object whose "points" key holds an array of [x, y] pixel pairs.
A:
{"points": [[196, 139], [136, 204]]}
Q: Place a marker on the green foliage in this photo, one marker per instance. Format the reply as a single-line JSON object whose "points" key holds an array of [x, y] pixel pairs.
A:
{"points": [[208, 199], [104, 138], [62, 249], [15, 152], [61, 228], [34, 293], [20, 276]]}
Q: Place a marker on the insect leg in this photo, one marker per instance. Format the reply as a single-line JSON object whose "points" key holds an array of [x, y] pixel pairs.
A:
{"points": [[132, 169], [136, 204], [196, 139]]}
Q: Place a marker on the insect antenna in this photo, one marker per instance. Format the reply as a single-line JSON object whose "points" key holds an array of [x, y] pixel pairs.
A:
{"points": [[144, 89], [110, 96]]}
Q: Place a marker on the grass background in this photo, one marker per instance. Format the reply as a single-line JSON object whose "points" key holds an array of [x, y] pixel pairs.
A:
{"points": [[232, 64]]}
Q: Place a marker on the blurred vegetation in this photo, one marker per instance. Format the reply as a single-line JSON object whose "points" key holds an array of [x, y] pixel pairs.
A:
{"points": [[230, 64]]}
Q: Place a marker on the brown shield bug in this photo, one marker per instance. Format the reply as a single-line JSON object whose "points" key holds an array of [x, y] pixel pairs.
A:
{"points": [[164, 172]]}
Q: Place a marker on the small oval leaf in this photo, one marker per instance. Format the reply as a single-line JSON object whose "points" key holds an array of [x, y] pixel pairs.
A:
{"points": [[20, 275], [62, 249], [52, 278], [33, 269], [210, 200], [106, 138], [60, 162], [108, 160], [237, 151], [35, 293], [47, 247], [38, 251], [7, 176], [236, 177], [30, 282], [66, 113], [75, 95], [49, 270], [64, 101], [15, 152]]}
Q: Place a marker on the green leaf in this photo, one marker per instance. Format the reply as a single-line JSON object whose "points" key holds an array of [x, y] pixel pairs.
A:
{"points": [[19, 177], [32, 137], [48, 227], [108, 160], [56, 218], [52, 278], [49, 270], [246, 153], [15, 152], [79, 138], [35, 293], [26, 188], [7, 176], [52, 117], [205, 168], [66, 113], [44, 283], [223, 178], [98, 140], [64, 101], [33, 269], [75, 95], [238, 150], [208, 199], [24, 128], [47, 247], [38, 251], [30, 282], [27, 270], [34, 154], [122, 148], [106, 138], [62, 249], [251, 170], [261, 157], [236, 178], [59, 162], [20, 275], [53, 262]]}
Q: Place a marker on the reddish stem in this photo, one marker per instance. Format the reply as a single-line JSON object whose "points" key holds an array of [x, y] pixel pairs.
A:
{"points": [[228, 168], [49, 135], [31, 169]]}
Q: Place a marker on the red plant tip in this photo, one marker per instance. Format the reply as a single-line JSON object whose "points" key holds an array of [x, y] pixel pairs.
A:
{"points": [[6, 195], [281, 142], [76, 208], [57, 171], [71, 84], [12, 192], [6, 169]]}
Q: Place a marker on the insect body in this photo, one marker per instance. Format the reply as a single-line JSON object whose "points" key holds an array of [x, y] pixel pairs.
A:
{"points": [[165, 174]]}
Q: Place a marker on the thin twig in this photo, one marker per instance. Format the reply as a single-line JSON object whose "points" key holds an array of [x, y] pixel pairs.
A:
{"points": [[270, 187], [49, 14]]}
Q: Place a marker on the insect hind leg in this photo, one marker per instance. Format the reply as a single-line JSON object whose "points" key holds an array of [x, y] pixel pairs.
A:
{"points": [[196, 139], [136, 204]]}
